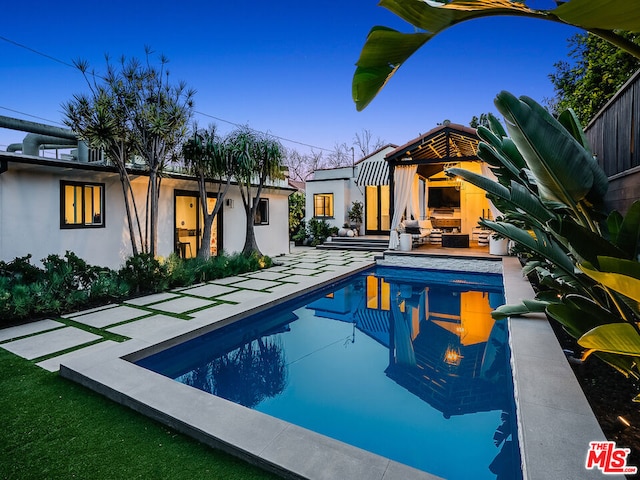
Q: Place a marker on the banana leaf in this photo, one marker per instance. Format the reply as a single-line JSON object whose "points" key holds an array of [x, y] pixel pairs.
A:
{"points": [[601, 14], [569, 120], [629, 234], [578, 315], [601, 17], [495, 125], [554, 157], [541, 244], [630, 268], [384, 52], [530, 203], [624, 284], [614, 223], [517, 198], [583, 242], [527, 306], [618, 338], [501, 168]]}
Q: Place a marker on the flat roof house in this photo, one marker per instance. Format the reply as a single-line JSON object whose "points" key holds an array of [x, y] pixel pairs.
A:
{"points": [[74, 201]]}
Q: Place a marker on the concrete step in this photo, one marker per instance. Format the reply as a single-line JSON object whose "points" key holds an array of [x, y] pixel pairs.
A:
{"points": [[364, 243]]}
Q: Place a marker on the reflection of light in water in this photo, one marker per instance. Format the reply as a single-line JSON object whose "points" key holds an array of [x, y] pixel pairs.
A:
{"points": [[452, 356]]}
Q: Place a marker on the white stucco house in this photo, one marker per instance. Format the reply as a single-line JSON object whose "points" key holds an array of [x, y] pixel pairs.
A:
{"points": [[51, 205], [331, 192], [405, 189]]}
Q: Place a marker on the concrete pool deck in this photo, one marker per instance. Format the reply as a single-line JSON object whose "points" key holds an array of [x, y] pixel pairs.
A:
{"points": [[95, 347]]}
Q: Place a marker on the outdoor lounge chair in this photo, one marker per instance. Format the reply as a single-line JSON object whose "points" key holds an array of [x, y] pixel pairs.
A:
{"points": [[420, 230]]}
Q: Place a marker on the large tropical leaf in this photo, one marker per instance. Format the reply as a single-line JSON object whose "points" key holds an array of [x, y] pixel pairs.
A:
{"points": [[601, 17], [601, 14], [569, 120], [628, 236], [630, 268], [614, 224], [527, 306], [540, 244], [618, 338], [554, 157], [584, 243], [434, 16], [624, 284], [383, 53], [579, 314]]}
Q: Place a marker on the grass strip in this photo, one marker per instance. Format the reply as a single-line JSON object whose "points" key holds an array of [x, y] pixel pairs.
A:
{"points": [[53, 428]]}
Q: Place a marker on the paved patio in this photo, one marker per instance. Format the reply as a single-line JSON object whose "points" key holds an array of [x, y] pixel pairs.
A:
{"points": [[158, 317], [555, 422]]}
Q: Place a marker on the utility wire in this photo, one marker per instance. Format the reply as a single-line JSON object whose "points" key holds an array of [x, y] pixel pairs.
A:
{"points": [[29, 115], [37, 52]]}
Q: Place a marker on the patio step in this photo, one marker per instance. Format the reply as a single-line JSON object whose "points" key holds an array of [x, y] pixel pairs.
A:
{"points": [[356, 243]]}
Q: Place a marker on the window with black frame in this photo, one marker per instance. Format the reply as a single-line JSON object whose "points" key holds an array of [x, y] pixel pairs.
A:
{"points": [[323, 205], [81, 205], [262, 212]]}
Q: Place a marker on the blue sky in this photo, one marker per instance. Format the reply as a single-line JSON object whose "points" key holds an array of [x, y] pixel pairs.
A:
{"points": [[284, 67]]}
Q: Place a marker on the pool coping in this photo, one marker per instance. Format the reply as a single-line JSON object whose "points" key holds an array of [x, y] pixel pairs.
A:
{"points": [[555, 422]]}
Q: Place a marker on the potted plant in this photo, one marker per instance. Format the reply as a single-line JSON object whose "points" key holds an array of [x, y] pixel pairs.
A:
{"points": [[355, 215]]}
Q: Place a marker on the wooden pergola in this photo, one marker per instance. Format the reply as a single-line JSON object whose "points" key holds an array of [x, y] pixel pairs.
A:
{"points": [[432, 152]]}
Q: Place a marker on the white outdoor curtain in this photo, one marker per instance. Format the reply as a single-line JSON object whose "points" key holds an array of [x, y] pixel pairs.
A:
{"points": [[415, 198], [403, 181], [402, 334]]}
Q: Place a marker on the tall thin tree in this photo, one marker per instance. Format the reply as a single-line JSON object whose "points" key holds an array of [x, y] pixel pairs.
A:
{"points": [[259, 158], [209, 158]]}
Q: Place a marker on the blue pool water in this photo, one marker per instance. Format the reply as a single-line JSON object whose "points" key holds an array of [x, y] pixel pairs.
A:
{"points": [[404, 363]]}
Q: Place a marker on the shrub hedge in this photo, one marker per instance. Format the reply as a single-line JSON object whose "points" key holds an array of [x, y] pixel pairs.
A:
{"points": [[66, 284]]}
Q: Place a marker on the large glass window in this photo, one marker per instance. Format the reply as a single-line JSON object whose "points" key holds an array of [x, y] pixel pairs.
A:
{"points": [[323, 205], [81, 205]]}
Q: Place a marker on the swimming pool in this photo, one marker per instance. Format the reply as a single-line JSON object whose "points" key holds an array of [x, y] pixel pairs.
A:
{"points": [[404, 363]]}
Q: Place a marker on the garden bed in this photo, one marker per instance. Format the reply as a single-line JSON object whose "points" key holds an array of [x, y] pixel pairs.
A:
{"points": [[610, 395]]}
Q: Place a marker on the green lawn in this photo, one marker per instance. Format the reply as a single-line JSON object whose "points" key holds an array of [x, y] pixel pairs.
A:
{"points": [[53, 428]]}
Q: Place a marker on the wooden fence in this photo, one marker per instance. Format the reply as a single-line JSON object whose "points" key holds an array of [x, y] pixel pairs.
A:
{"points": [[614, 134]]}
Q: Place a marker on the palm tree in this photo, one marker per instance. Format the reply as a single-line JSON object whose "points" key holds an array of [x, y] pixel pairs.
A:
{"points": [[160, 113], [135, 111], [101, 120], [209, 158], [259, 158]]}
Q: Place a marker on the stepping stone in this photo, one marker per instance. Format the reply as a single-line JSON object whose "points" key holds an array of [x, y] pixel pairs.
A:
{"points": [[302, 271], [91, 310], [111, 316], [182, 305], [53, 364], [49, 342], [147, 327], [228, 280], [28, 329], [155, 298], [243, 296], [255, 284], [266, 275], [310, 266], [209, 290]]}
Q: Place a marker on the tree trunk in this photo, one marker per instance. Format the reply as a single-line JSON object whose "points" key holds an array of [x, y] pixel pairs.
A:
{"points": [[125, 193], [204, 251], [250, 244], [153, 214]]}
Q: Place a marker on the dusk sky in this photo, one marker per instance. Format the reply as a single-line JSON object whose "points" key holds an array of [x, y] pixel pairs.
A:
{"points": [[282, 67]]}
